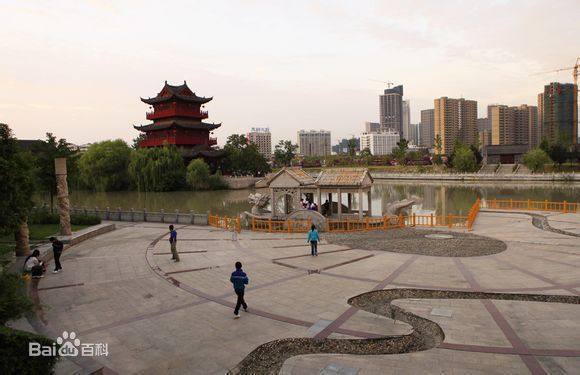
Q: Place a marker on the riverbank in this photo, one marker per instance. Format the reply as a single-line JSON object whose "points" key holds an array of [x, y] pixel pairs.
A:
{"points": [[562, 177]]}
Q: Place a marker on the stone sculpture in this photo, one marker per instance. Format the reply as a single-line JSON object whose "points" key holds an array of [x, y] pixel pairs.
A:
{"points": [[63, 202], [259, 202]]}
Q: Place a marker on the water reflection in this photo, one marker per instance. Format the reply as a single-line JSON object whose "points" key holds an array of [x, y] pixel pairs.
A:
{"points": [[437, 198]]}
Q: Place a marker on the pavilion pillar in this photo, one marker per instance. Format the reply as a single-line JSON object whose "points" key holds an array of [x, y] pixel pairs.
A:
{"points": [[360, 204], [273, 202], [62, 202], [319, 196], [349, 202], [369, 200], [329, 204], [339, 203]]}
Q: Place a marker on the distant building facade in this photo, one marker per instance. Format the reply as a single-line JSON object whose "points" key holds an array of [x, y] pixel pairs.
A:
{"points": [[484, 138], [381, 143], [483, 124], [262, 138], [455, 120], [514, 125], [427, 128], [342, 146], [314, 142], [414, 134], [560, 113], [391, 109], [406, 119], [372, 127]]}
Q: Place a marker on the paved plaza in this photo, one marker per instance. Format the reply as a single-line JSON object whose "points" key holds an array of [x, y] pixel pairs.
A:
{"points": [[158, 316]]}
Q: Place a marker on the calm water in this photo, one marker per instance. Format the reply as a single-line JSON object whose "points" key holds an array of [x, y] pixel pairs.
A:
{"points": [[437, 198]]}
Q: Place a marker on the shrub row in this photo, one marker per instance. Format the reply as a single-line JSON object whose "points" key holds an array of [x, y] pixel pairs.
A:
{"points": [[43, 216]]}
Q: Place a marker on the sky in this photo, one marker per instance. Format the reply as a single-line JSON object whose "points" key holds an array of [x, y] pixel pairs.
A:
{"points": [[78, 68]]}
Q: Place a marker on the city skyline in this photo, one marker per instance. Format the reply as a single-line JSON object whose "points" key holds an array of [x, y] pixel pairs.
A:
{"points": [[85, 85]]}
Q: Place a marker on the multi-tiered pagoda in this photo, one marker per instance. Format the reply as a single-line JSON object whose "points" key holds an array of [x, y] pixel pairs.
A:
{"points": [[177, 115]]}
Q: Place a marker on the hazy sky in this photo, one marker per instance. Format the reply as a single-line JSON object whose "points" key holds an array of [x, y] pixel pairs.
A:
{"points": [[78, 68]]}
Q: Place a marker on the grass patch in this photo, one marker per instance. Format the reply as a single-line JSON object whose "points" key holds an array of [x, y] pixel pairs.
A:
{"points": [[38, 233]]}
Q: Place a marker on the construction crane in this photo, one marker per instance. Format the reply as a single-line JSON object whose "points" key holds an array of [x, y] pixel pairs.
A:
{"points": [[574, 70], [389, 84]]}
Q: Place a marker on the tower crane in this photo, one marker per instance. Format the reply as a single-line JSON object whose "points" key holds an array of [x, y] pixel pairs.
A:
{"points": [[389, 84], [574, 70]]}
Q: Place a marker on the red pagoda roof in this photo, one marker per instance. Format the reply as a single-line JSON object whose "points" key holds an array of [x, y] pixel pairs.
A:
{"points": [[181, 92], [196, 125]]}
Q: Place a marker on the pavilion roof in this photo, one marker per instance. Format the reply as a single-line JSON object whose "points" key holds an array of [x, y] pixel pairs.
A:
{"points": [[296, 173], [195, 125], [171, 92], [348, 177]]}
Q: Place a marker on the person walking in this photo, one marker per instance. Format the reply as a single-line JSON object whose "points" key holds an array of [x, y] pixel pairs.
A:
{"points": [[239, 279], [313, 238], [173, 243], [57, 247]]}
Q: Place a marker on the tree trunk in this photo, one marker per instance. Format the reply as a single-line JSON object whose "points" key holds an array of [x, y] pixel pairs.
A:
{"points": [[21, 236]]}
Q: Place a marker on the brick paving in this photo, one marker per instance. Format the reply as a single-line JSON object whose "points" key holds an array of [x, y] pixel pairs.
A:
{"points": [[164, 317]]}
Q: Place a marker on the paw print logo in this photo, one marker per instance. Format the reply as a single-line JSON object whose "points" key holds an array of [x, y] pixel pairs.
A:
{"points": [[69, 344]]}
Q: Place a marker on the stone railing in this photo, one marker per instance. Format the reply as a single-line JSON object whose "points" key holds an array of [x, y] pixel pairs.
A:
{"points": [[175, 217], [477, 176]]}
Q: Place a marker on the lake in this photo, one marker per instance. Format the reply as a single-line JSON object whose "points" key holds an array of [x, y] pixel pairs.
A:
{"points": [[438, 198]]}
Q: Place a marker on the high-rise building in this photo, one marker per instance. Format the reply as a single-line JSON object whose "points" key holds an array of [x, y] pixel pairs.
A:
{"points": [[484, 138], [372, 127], [513, 125], [406, 119], [483, 124], [560, 113], [381, 143], [413, 137], [391, 109], [455, 120], [262, 138], [314, 142], [534, 128], [540, 116], [427, 131], [342, 146]]}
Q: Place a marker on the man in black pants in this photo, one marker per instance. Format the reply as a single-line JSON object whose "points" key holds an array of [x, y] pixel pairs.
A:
{"points": [[57, 247], [240, 280]]}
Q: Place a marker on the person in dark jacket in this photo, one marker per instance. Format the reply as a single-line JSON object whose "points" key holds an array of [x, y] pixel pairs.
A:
{"points": [[57, 248], [173, 243], [239, 279]]}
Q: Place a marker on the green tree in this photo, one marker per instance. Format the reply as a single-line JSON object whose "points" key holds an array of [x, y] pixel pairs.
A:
{"points": [[198, 175], [157, 169], [17, 187], [104, 166], [463, 159], [243, 157], [44, 154], [351, 147], [558, 153], [284, 153], [438, 144], [400, 151], [536, 159]]}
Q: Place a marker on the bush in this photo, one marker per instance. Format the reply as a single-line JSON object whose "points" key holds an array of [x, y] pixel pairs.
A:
{"points": [[464, 160], [536, 159], [13, 299], [198, 175], [43, 216], [216, 182], [14, 353]]}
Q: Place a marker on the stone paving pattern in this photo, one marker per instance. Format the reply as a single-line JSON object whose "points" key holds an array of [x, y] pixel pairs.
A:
{"points": [[163, 317]]}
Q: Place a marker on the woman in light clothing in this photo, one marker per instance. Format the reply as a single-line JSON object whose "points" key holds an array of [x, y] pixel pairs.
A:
{"points": [[313, 238]]}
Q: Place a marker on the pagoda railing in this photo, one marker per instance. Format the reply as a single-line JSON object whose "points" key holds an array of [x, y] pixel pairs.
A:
{"points": [[169, 112], [177, 140]]}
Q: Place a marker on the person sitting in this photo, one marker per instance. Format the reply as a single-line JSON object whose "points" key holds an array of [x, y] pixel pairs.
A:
{"points": [[303, 203], [34, 266]]}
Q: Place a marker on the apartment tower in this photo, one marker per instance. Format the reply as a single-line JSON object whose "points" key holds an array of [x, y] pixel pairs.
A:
{"points": [[314, 143], [455, 120], [426, 128], [560, 113], [262, 138], [391, 109]]}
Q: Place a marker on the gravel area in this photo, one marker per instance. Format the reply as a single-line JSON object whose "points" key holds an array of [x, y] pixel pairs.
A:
{"points": [[413, 241], [268, 358]]}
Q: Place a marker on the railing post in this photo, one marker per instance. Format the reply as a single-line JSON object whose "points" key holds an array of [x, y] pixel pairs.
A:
{"points": [[107, 213], [176, 216], [289, 223], [162, 215], [450, 220], [511, 204], [401, 221], [132, 214], [367, 223], [529, 204], [565, 207], [191, 217], [494, 202], [144, 214], [546, 205], [270, 225], [254, 223], [414, 220], [432, 225]]}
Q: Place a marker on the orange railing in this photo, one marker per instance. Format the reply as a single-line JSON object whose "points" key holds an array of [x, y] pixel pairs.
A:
{"points": [[529, 205], [288, 226], [224, 222], [473, 213]]}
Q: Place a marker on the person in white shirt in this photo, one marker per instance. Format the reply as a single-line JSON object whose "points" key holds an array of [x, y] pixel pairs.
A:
{"points": [[34, 266]]}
